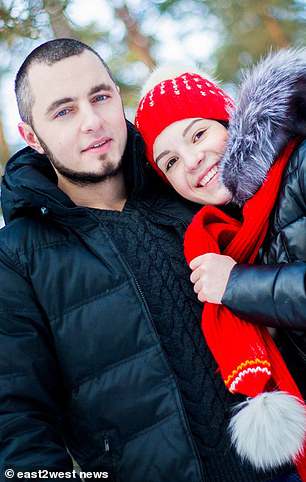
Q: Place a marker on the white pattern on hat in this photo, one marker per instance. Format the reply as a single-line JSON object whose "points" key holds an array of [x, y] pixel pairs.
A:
{"points": [[151, 102], [170, 71]]}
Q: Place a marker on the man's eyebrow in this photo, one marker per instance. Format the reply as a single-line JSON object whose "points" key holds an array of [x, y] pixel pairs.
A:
{"points": [[58, 103], [162, 154], [99, 87], [66, 100], [190, 125]]}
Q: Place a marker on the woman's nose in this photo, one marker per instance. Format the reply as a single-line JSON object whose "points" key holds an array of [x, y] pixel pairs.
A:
{"points": [[192, 161]]}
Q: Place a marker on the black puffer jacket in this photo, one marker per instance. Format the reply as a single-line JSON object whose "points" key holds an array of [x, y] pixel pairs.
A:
{"points": [[81, 364], [271, 110]]}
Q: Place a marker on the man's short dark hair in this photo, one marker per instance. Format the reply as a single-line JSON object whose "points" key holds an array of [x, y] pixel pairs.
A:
{"points": [[48, 53]]}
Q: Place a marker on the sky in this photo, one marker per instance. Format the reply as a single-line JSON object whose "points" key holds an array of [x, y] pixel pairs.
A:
{"points": [[172, 48]]}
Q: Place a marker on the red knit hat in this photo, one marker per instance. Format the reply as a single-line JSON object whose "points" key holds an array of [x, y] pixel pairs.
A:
{"points": [[185, 96]]}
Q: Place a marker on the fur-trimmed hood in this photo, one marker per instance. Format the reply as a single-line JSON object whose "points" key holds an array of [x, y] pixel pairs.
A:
{"points": [[271, 108]]}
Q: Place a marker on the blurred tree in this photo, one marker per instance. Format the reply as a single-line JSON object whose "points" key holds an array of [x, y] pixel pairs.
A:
{"points": [[33, 19], [17, 20], [247, 29], [132, 53], [60, 25], [4, 145], [136, 41], [4, 148]]}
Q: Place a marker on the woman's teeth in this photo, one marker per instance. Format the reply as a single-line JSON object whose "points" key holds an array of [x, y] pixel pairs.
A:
{"points": [[208, 176]]}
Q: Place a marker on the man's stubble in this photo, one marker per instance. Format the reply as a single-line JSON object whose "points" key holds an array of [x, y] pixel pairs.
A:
{"points": [[83, 178]]}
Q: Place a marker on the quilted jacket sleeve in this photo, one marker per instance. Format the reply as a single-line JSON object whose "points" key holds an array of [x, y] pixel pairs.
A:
{"points": [[30, 388], [269, 295]]}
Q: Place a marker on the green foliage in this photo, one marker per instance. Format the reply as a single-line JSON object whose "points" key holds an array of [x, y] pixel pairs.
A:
{"points": [[90, 34], [247, 28], [250, 32], [29, 19], [17, 20]]}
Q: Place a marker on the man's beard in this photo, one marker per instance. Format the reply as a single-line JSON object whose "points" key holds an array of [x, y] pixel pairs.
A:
{"points": [[82, 178]]}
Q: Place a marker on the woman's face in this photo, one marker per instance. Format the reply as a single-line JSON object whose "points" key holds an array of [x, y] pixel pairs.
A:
{"points": [[188, 153]]}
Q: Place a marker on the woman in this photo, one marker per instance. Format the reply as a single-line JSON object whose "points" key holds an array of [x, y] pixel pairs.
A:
{"points": [[254, 158]]}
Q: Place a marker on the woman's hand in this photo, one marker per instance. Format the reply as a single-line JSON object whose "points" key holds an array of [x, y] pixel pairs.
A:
{"points": [[210, 274]]}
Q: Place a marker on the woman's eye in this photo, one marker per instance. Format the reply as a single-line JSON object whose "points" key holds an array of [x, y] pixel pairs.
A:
{"points": [[198, 135], [170, 163]]}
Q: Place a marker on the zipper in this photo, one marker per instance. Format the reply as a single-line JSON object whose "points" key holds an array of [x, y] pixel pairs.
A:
{"points": [[107, 453], [195, 448], [131, 274], [106, 445]]}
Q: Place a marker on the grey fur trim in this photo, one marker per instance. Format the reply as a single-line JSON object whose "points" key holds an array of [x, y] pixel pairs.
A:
{"points": [[271, 108]]}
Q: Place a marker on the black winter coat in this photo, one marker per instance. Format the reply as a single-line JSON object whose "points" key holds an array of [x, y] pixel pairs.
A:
{"points": [[74, 291], [273, 294]]}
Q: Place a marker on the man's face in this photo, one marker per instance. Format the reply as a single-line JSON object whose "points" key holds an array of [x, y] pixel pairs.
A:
{"points": [[78, 118]]}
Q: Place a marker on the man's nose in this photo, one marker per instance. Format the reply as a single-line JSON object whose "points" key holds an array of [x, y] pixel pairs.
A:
{"points": [[90, 119]]}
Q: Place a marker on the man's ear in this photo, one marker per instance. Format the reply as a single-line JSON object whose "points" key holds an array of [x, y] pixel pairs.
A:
{"points": [[29, 136]]}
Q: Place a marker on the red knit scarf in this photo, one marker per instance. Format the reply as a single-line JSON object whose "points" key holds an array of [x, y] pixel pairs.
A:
{"points": [[246, 354]]}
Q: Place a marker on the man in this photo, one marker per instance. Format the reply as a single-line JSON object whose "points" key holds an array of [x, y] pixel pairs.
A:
{"points": [[102, 355]]}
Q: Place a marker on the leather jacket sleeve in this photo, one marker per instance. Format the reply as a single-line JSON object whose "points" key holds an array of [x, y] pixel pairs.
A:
{"points": [[30, 388], [272, 295]]}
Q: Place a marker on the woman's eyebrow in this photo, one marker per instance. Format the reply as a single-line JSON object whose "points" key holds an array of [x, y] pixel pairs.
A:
{"points": [[185, 131], [162, 154]]}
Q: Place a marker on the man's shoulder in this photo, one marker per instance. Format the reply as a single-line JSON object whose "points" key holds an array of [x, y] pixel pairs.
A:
{"points": [[23, 234]]}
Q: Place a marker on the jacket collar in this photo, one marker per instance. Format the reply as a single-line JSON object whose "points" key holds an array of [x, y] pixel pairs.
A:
{"points": [[30, 184], [29, 187], [271, 109]]}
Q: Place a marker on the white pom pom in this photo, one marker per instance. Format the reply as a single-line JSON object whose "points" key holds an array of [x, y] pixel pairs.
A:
{"points": [[170, 71], [269, 430]]}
